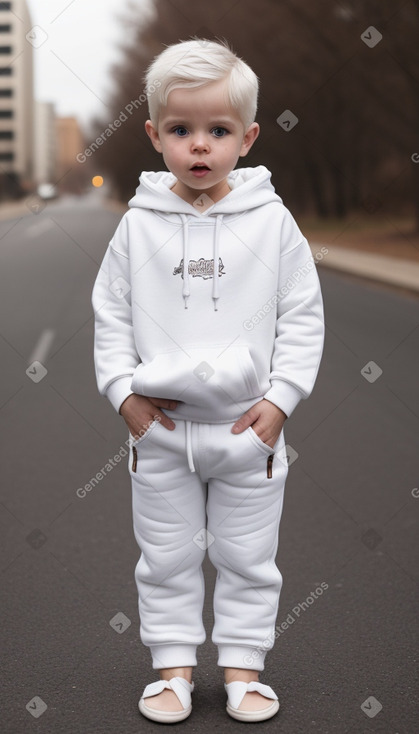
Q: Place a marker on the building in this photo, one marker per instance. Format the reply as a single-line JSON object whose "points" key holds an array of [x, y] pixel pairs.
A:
{"points": [[70, 142], [71, 175], [16, 99], [45, 154]]}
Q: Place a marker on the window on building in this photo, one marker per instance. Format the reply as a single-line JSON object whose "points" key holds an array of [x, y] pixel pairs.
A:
{"points": [[7, 135], [7, 156], [5, 28], [5, 6], [5, 49], [6, 92], [6, 114], [5, 71]]}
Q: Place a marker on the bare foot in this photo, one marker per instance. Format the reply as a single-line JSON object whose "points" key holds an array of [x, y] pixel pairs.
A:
{"points": [[252, 701], [167, 700]]}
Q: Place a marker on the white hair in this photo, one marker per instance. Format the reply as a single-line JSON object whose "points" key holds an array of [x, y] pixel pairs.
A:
{"points": [[198, 62]]}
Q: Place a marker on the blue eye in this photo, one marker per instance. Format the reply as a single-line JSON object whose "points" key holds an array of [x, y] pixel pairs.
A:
{"points": [[219, 132], [180, 131]]}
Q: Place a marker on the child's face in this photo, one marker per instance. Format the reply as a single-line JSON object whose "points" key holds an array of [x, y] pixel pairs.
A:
{"points": [[197, 126]]}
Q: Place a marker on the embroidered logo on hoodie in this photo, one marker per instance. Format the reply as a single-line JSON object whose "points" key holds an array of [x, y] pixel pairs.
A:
{"points": [[201, 268]]}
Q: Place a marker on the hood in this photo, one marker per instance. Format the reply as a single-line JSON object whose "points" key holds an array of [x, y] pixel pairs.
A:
{"points": [[250, 188]]}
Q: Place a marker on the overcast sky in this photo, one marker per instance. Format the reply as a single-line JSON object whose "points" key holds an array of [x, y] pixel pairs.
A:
{"points": [[71, 67]]}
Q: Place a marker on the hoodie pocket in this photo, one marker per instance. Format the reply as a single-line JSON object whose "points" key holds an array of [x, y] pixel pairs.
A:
{"points": [[199, 376]]}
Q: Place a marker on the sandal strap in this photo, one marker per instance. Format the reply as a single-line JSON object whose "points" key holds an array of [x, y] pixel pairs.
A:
{"points": [[181, 687], [237, 689]]}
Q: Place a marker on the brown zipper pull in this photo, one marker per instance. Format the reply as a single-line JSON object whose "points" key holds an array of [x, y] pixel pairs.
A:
{"points": [[134, 459], [269, 467]]}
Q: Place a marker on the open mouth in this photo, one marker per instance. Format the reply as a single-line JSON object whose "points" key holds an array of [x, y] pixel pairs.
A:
{"points": [[200, 167]]}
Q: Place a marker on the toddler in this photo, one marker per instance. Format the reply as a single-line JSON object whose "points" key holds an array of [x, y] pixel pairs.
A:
{"points": [[208, 332]]}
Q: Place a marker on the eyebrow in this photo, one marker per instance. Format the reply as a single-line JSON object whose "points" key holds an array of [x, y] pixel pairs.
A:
{"points": [[215, 121]]}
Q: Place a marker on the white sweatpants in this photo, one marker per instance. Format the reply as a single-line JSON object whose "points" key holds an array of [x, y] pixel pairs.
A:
{"points": [[197, 488]]}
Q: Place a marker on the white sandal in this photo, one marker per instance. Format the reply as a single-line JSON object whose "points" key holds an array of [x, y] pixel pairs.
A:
{"points": [[236, 691], [181, 687]]}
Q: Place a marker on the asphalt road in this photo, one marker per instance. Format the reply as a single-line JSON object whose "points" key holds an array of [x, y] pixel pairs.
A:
{"points": [[72, 660]]}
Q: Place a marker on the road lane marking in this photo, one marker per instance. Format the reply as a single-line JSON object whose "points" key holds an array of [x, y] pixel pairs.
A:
{"points": [[42, 346]]}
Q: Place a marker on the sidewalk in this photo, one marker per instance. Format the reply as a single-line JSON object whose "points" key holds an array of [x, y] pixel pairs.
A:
{"points": [[385, 269], [382, 268], [14, 209]]}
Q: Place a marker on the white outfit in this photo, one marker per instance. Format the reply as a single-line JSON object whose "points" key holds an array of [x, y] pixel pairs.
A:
{"points": [[218, 310]]}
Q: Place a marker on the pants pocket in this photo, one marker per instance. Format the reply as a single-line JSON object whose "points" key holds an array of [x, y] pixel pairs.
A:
{"points": [[270, 453], [143, 434], [136, 441], [259, 443]]}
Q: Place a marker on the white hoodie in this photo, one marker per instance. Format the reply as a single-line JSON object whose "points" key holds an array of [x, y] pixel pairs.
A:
{"points": [[166, 327]]}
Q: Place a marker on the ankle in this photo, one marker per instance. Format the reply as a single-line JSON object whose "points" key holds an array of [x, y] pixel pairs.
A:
{"points": [[168, 673], [240, 674]]}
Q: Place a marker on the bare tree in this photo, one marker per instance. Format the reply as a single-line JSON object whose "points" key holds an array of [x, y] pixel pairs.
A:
{"points": [[354, 92]]}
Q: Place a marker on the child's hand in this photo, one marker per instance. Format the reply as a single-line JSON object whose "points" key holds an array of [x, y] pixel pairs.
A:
{"points": [[266, 419], [139, 411]]}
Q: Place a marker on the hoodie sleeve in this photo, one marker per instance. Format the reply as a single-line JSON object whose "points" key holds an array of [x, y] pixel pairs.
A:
{"points": [[115, 353], [300, 322]]}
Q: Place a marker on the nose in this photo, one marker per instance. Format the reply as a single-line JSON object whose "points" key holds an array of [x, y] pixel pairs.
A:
{"points": [[199, 142]]}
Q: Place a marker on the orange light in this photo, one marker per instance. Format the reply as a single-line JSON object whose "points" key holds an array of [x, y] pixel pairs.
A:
{"points": [[97, 181]]}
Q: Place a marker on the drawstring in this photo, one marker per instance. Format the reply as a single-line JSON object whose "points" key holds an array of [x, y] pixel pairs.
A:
{"points": [[215, 284], [216, 269], [185, 289], [188, 426]]}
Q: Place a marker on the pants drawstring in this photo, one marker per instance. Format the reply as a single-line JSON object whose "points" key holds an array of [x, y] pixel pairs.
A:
{"points": [[188, 426]]}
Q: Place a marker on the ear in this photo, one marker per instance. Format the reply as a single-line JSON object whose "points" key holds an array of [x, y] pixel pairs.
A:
{"points": [[153, 135], [249, 138]]}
